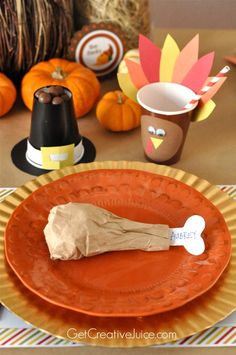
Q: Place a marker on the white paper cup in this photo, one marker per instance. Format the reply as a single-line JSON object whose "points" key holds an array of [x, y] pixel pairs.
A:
{"points": [[164, 122]]}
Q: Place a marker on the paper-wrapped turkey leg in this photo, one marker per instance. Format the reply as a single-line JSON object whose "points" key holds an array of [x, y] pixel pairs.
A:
{"points": [[75, 230]]}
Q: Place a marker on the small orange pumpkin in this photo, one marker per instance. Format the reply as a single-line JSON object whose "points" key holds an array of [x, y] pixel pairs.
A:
{"points": [[80, 80], [7, 94], [117, 112]]}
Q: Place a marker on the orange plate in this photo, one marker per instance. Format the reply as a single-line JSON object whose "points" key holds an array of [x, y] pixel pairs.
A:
{"points": [[125, 283]]}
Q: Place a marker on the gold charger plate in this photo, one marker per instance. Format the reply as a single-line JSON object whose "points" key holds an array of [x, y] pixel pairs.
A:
{"points": [[195, 316]]}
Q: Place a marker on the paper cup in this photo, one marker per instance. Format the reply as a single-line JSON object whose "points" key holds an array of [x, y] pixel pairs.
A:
{"points": [[164, 122], [55, 127]]}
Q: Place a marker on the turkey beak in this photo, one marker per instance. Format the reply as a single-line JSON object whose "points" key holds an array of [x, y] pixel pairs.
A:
{"points": [[156, 142]]}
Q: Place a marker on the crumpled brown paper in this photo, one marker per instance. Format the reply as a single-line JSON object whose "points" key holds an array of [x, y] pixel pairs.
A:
{"points": [[75, 230]]}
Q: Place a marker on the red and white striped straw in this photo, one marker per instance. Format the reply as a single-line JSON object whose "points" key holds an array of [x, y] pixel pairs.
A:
{"points": [[211, 83]]}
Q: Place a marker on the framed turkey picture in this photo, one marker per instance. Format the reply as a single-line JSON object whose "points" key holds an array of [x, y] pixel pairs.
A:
{"points": [[100, 47]]}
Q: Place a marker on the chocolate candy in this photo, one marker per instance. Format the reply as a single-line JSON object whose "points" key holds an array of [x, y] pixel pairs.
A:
{"points": [[38, 92], [56, 90], [65, 97], [44, 98], [57, 100], [54, 94]]}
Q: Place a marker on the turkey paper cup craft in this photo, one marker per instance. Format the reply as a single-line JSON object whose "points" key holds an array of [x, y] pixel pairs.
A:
{"points": [[54, 140], [173, 88]]}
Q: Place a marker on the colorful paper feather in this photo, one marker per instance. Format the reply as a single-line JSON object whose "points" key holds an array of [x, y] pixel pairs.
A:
{"points": [[169, 54], [136, 73], [150, 56], [197, 76], [202, 112], [127, 86], [186, 59], [211, 92]]}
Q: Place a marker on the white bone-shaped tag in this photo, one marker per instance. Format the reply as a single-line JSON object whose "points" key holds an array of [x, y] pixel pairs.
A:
{"points": [[189, 235]]}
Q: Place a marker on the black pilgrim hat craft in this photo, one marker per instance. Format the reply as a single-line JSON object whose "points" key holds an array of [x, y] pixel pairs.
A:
{"points": [[54, 140]]}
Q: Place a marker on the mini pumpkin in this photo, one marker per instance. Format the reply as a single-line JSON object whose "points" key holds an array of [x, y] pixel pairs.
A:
{"points": [[80, 80], [7, 94], [116, 112]]}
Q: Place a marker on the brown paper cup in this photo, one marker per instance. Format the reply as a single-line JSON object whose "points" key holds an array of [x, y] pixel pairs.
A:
{"points": [[164, 122]]}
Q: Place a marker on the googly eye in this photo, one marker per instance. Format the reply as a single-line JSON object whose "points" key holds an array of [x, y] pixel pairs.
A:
{"points": [[160, 132], [151, 130]]}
